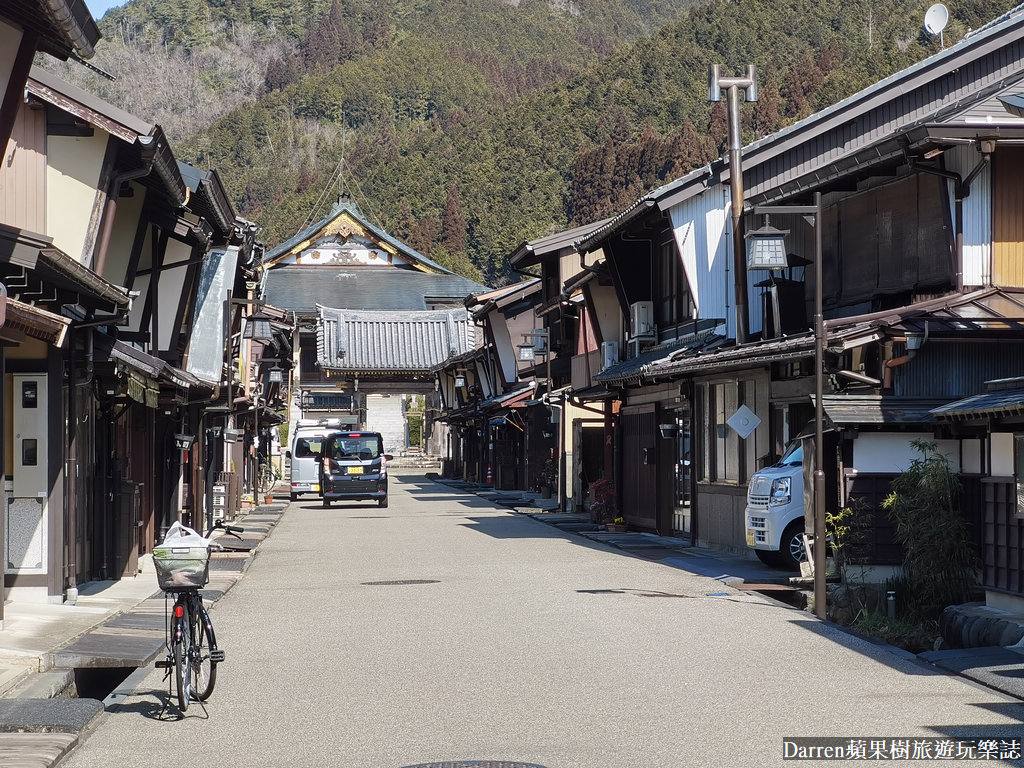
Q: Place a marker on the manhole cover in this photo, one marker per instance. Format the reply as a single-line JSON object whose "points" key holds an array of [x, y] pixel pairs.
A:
{"points": [[475, 764], [397, 582]]}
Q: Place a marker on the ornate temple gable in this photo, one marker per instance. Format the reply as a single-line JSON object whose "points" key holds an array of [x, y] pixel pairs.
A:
{"points": [[345, 241], [345, 238]]}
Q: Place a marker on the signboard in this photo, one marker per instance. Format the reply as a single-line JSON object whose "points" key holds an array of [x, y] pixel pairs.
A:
{"points": [[744, 421], [206, 352]]}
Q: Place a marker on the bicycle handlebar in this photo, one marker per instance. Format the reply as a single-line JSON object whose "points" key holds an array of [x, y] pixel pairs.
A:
{"points": [[233, 530]]}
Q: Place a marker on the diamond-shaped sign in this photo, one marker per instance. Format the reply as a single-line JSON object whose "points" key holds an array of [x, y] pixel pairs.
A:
{"points": [[744, 421]]}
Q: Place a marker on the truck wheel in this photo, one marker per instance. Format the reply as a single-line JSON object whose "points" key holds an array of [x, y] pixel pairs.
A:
{"points": [[768, 557], [293, 497], [791, 548]]}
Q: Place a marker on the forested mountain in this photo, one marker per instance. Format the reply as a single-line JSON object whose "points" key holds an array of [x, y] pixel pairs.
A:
{"points": [[465, 127]]}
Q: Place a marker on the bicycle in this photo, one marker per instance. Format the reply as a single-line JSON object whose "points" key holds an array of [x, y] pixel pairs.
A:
{"points": [[267, 476], [192, 652]]}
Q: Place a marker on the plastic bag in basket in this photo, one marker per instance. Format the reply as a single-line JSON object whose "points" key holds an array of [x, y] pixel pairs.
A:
{"points": [[182, 559], [179, 535]]}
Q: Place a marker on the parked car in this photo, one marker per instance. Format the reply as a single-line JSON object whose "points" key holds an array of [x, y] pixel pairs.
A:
{"points": [[306, 444], [775, 511], [353, 466]]}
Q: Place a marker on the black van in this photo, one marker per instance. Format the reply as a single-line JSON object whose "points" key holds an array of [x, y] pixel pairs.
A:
{"points": [[353, 466]]}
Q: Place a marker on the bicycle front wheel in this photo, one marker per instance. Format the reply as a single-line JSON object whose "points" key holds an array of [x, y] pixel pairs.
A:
{"points": [[180, 651], [204, 668]]}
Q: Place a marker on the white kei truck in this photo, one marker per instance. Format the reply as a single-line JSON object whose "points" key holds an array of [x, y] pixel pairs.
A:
{"points": [[775, 511]]}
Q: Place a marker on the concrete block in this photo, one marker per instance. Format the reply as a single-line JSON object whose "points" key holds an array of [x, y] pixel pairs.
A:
{"points": [[48, 715], [55, 684]]}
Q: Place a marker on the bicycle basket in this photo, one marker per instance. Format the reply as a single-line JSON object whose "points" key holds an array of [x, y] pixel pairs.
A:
{"points": [[181, 567]]}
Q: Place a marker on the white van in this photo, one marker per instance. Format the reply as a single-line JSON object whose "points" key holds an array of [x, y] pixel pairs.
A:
{"points": [[306, 444]]}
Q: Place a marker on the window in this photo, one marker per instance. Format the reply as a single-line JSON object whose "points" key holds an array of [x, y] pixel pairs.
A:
{"points": [[725, 457], [672, 304]]}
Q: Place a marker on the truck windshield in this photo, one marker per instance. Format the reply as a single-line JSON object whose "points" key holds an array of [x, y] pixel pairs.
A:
{"points": [[794, 455]]}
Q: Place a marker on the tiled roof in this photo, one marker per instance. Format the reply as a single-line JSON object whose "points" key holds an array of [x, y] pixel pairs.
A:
{"points": [[532, 251], [1008, 402], [301, 288], [390, 342], [846, 409], [982, 312]]}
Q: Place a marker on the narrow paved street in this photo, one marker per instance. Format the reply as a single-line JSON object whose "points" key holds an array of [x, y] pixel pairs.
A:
{"points": [[444, 629]]}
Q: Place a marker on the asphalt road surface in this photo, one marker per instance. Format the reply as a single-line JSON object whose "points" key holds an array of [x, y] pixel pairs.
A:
{"points": [[444, 630]]}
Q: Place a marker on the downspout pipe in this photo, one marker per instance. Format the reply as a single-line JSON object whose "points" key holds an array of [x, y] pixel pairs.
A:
{"points": [[110, 208]]}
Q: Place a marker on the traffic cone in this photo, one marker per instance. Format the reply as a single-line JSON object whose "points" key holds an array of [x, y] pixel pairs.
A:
{"points": [[490, 475]]}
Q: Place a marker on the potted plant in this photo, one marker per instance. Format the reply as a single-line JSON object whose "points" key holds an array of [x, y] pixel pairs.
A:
{"points": [[618, 525]]}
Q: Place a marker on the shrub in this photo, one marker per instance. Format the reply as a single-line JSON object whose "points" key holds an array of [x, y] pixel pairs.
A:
{"points": [[939, 564]]}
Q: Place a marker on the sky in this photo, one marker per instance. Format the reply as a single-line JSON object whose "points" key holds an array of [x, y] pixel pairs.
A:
{"points": [[98, 7]]}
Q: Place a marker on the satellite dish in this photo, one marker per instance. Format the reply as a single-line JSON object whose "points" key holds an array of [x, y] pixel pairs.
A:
{"points": [[935, 19]]}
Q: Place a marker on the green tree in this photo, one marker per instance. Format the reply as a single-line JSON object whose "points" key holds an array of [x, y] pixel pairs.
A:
{"points": [[938, 560]]}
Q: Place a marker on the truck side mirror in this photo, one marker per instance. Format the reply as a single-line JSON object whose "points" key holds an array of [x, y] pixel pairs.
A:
{"points": [[287, 454]]}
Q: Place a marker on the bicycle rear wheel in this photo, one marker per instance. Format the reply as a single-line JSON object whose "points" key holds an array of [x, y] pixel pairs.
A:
{"points": [[204, 668], [180, 650], [267, 478]]}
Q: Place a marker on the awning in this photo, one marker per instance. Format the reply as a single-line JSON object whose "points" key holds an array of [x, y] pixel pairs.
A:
{"points": [[855, 410], [35, 323], [108, 348], [592, 393], [513, 399], [1005, 403]]}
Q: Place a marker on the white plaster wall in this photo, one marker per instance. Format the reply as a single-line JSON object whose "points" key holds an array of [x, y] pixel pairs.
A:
{"points": [[889, 452], [72, 176], [119, 251], [171, 285], [1001, 448]]}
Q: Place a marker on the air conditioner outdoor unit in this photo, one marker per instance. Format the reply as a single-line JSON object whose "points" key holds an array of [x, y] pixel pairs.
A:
{"points": [[609, 354], [641, 320]]}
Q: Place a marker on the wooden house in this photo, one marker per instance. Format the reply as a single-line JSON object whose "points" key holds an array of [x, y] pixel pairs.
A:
{"points": [[920, 235], [109, 239]]}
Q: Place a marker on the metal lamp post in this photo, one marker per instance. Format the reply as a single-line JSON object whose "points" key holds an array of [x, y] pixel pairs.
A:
{"points": [[763, 249], [733, 85]]}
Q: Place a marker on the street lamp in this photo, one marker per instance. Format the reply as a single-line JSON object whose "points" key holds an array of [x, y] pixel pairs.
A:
{"points": [[257, 328], [529, 350], [813, 215]]}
